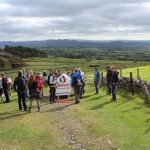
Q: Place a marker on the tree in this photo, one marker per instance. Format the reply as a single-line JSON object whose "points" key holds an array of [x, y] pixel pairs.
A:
{"points": [[3, 62]]}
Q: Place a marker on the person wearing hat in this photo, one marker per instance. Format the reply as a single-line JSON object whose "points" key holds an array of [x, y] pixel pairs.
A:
{"points": [[96, 80]]}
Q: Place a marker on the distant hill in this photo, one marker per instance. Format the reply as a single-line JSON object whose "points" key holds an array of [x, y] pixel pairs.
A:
{"points": [[78, 43]]}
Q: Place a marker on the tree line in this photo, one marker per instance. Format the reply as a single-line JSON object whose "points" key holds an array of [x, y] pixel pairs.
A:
{"points": [[11, 56], [113, 53]]}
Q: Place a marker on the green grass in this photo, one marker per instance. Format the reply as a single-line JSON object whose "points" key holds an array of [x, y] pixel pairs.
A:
{"points": [[144, 72], [126, 122], [25, 131], [42, 64]]}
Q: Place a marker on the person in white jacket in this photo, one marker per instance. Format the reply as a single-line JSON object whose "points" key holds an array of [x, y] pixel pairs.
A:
{"points": [[52, 83]]}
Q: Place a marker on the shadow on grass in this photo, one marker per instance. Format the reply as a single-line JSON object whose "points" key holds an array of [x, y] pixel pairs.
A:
{"points": [[135, 108], [128, 97], [12, 114], [98, 97], [147, 130], [58, 108], [101, 105]]}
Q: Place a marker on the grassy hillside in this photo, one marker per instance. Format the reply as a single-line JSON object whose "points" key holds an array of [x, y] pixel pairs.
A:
{"points": [[41, 64], [123, 124], [144, 72]]}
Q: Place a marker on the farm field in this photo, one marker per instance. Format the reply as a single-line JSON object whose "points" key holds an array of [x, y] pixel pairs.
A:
{"points": [[144, 72], [95, 124]]}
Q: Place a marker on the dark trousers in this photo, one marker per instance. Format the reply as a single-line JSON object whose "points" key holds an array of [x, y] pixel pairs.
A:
{"points": [[6, 93], [52, 94], [113, 90], [77, 93], [96, 83], [22, 100], [109, 87]]}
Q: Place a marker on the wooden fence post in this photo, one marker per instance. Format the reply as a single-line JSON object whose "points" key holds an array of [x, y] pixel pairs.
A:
{"points": [[138, 74], [120, 73], [131, 80]]}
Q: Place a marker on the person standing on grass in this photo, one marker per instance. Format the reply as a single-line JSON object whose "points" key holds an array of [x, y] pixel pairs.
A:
{"points": [[96, 80], [108, 80], [33, 91], [82, 89], [20, 86], [76, 84], [40, 84], [5, 87], [1, 89], [52, 80], [114, 81]]}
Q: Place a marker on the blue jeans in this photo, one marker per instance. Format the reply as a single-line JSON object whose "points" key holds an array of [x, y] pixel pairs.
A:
{"points": [[96, 83], [113, 90], [6, 93]]}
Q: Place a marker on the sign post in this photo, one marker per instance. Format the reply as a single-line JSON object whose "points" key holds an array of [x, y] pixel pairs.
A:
{"points": [[63, 86]]}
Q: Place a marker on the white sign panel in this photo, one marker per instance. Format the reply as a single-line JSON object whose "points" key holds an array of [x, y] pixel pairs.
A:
{"points": [[63, 86]]}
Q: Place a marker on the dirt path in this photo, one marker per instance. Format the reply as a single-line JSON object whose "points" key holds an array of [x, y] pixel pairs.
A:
{"points": [[73, 131]]}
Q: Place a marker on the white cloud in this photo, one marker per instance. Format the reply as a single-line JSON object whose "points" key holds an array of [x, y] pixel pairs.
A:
{"points": [[96, 19]]}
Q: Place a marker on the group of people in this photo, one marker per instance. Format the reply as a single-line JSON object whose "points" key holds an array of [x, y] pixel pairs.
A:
{"points": [[77, 82], [111, 81], [30, 85]]}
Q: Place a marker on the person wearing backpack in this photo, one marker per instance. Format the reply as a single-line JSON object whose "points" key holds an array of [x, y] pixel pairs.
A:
{"points": [[114, 81], [76, 84], [5, 87], [20, 86], [33, 91]]}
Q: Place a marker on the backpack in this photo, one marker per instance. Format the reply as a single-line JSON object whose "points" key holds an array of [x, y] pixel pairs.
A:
{"points": [[78, 82], [39, 84], [34, 85]]}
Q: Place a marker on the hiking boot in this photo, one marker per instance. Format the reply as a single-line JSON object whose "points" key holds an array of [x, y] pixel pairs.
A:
{"points": [[113, 100]]}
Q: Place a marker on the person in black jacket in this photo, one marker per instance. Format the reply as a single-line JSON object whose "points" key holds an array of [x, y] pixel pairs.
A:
{"points": [[114, 81], [20, 86], [108, 79], [5, 87]]}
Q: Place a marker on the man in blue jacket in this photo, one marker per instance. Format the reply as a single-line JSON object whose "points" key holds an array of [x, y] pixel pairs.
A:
{"points": [[76, 84], [96, 80]]}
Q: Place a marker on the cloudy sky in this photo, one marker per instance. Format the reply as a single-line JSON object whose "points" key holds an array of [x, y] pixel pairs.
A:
{"points": [[74, 19]]}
